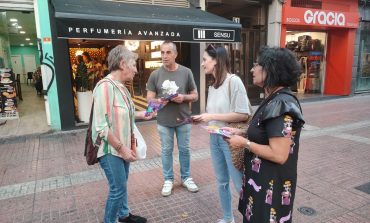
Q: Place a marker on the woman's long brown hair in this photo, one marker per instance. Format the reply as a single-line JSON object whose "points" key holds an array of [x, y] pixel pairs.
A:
{"points": [[222, 67]]}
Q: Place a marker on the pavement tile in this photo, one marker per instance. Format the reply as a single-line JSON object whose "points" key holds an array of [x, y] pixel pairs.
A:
{"points": [[45, 178]]}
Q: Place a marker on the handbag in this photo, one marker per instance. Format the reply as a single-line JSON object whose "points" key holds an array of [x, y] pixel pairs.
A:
{"points": [[91, 148], [237, 155]]}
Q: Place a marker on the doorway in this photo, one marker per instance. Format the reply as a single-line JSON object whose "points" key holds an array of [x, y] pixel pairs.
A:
{"points": [[19, 44], [252, 42], [17, 66]]}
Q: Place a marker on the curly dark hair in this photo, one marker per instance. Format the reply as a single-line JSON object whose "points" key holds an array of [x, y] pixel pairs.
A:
{"points": [[280, 65]]}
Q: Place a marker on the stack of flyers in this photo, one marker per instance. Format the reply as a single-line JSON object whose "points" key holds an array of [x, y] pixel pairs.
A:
{"points": [[217, 130], [153, 106]]}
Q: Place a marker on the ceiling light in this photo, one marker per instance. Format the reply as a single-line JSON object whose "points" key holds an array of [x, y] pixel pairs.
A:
{"points": [[19, 27], [22, 44], [13, 20], [31, 44], [22, 32], [28, 39], [79, 52], [14, 24]]}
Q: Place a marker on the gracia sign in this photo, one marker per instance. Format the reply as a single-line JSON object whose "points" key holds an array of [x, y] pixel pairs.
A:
{"points": [[87, 29], [324, 18]]}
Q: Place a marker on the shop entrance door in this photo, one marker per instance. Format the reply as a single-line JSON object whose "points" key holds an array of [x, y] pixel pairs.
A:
{"points": [[17, 65], [252, 42], [29, 63]]}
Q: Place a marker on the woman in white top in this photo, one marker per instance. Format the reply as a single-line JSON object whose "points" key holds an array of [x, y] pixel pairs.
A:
{"points": [[227, 102]]}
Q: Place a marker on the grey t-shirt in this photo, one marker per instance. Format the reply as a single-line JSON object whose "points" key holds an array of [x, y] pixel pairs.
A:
{"points": [[231, 96], [173, 114]]}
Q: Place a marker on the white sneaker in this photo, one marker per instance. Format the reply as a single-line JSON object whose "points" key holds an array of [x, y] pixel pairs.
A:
{"points": [[167, 188], [224, 221], [190, 185]]}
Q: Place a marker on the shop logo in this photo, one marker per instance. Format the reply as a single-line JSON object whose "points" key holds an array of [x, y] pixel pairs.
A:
{"points": [[323, 18], [213, 34], [201, 34]]}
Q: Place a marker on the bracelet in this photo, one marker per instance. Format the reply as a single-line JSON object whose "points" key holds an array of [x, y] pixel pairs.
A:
{"points": [[248, 146], [118, 148]]}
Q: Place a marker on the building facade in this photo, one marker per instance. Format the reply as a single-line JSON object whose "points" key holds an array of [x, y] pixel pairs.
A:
{"points": [[322, 35], [96, 27]]}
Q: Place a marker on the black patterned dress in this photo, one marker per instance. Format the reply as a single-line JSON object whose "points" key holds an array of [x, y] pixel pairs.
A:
{"points": [[268, 189]]}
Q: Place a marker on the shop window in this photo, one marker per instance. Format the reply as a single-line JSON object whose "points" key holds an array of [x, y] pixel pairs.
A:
{"points": [[315, 4], [363, 76], [309, 48]]}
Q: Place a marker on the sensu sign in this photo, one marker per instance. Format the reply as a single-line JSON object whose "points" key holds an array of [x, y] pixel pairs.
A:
{"points": [[324, 18]]}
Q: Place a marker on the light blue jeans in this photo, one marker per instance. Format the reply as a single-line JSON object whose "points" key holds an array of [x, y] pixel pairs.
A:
{"points": [[116, 170], [224, 169], [183, 140]]}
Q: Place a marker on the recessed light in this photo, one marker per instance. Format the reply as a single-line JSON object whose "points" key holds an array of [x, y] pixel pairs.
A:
{"points": [[28, 39], [19, 27], [31, 44], [22, 44], [22, 32], [13, 20]]}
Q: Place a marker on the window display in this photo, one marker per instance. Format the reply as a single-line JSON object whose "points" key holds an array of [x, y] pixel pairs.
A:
{"points": [[8, 101], [309, 47], [363, 76]]}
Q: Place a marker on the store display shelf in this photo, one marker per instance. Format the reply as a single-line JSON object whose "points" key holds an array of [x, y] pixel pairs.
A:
{"points": [[9, 116]]}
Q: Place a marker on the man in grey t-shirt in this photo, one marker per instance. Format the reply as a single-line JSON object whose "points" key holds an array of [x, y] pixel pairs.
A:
{"points": [[174, 116]]}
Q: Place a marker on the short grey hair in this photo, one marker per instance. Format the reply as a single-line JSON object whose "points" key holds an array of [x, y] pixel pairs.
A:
{"points": [[117, 54], [174, 48]]}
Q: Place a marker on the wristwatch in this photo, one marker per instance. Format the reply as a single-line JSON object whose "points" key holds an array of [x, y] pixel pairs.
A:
{"points": [[248, 146]]}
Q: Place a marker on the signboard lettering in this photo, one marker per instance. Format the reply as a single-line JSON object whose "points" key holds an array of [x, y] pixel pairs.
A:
{"points": [[214, 34], [323, 18], [90, 29]]}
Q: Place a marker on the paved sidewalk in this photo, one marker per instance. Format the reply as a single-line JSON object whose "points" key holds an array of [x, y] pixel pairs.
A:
{"points": [[45, 178]]}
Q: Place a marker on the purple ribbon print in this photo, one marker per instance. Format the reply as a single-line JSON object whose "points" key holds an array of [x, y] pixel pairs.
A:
{"points": [[254, 185], [286, 218]]}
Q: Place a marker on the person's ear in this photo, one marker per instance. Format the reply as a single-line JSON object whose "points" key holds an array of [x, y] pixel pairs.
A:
{"points": [[122, 65]]}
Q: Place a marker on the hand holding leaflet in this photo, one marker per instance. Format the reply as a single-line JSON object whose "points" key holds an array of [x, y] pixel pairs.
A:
{"points": [[217, 130]]}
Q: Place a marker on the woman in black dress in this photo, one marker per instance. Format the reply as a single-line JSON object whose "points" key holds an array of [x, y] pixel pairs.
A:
{"points": [[271, 141]]}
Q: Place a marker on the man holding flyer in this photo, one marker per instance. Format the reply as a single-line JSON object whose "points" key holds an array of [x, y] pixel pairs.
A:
{"points": [[173, 85]]}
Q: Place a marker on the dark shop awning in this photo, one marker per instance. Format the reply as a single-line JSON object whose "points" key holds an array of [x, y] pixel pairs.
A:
{"points": [[86, 19]]}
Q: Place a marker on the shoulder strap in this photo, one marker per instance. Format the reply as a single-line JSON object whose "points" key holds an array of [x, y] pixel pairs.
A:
{"points": [[229, 86], [126, 101], [229, 89]]}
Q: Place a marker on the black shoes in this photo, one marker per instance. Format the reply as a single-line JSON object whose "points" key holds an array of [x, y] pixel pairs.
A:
{"points": [[132, 219]]}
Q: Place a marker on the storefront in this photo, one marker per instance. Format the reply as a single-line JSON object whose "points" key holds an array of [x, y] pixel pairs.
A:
{"points": [[96, 28], [362, 73], [322, 36]]}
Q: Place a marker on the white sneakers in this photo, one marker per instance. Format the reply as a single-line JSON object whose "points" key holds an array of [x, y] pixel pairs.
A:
{"points": [[224, 221], [167, 188], [188, 184]]}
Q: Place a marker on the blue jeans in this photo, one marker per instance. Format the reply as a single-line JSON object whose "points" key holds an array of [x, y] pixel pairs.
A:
{"points": [[116, 170], [183, 140], [224, 169]]}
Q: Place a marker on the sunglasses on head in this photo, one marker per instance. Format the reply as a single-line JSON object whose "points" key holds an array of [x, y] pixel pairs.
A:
{"points": [[211, 47]]}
